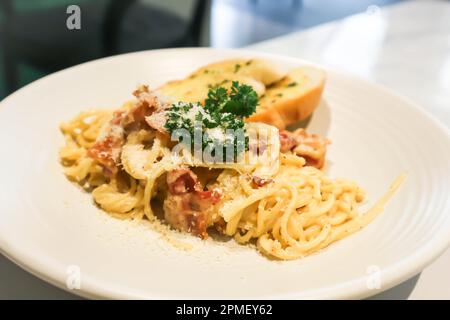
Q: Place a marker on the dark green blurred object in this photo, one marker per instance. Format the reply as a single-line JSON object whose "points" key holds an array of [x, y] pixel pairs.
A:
{"points": [[36, 41]]}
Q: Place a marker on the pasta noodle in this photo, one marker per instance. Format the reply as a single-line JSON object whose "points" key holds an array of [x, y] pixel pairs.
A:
{"points": [[296, 212]]}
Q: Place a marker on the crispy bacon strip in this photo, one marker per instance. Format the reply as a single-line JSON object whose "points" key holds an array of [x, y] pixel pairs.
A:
{"points": [[157, 121], [106, 150], [187, 206], [182, 181], [147, 103], [151, 109], [311, 147], [260, 182], [108, 147], [287, 141]]}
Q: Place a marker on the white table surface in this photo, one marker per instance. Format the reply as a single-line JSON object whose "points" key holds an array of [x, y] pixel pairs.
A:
{"points": [[405, 47]]}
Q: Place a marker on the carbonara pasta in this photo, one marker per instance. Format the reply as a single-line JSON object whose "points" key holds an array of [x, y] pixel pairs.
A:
{"points": [[290, 209]]}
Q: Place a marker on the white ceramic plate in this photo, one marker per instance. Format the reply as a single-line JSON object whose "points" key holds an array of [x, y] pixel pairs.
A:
{"points": [[51, 228]]}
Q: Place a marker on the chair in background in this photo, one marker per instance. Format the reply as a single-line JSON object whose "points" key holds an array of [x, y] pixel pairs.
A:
{"points": [[39, 37]]}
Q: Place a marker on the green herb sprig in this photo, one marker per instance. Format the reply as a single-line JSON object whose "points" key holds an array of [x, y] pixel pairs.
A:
{"points": [[223, 109]]}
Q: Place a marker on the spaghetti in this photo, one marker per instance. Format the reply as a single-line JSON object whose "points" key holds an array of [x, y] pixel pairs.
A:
{"points": [[290, 212]]}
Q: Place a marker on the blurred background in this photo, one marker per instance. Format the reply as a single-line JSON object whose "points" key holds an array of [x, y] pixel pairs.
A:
{"points": [[35, 39]]}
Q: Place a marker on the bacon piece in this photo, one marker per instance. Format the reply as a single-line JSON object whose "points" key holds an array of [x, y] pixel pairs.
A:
{"points": [[143, 107], [157, 121], [187, 206], [287, 141], [118, 116], [103, 152], [106, 149], [108, 146], [182, 181], [138, 113], [148, 103], [150, 109], [260, 182], [311, 147], [141, 89]]}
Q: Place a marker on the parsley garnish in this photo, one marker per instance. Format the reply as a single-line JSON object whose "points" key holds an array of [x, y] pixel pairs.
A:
{"points": [[241, 101], [223, 109], [292, 84]]}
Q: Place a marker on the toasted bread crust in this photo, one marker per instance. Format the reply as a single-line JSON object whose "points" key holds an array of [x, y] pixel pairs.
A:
{"points": [[284, 98], [286, 112]]}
